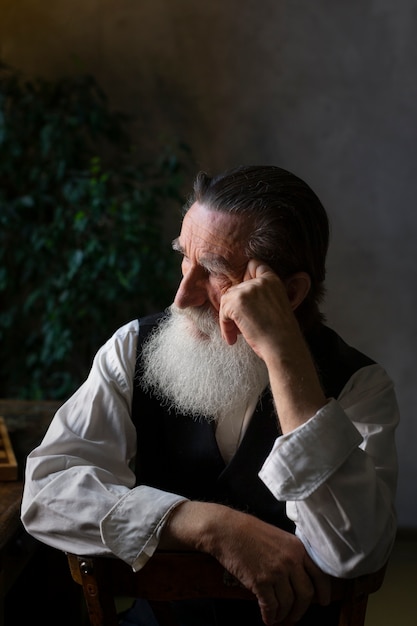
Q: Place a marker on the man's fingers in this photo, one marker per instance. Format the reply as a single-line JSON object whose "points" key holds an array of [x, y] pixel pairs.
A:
{"points": [[276, 602], [228, 327], [229, 330], [303, 595], [268, 606], [287, 600], [255, 269]]}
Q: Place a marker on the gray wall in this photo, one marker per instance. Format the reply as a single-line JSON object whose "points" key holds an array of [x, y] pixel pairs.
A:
{"points": [[326, 89]]}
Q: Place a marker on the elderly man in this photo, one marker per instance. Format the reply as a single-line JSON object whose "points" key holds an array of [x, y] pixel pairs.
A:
{"points": [[235, 422]]}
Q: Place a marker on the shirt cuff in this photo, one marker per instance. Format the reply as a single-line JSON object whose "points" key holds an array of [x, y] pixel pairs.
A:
{"points": [[303, 459], [132, 527]]}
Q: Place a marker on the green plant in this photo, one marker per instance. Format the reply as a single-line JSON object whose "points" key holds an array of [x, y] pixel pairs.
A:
{"points": [[81, 249]]}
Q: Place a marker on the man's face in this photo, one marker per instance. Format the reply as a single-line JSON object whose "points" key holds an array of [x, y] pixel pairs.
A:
{"points": [[186, 362], [213, 258]]}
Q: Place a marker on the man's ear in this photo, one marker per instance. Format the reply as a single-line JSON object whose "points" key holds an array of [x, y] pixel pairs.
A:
{"points": [[298, 285]]}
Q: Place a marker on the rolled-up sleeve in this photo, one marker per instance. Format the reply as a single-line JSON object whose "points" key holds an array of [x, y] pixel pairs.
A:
{"points": [[338, 475], [305, 458], [80, 493], [131, 529]]}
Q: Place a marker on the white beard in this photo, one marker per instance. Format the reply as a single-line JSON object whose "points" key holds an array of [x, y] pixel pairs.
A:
{"points": [[189, 367]]}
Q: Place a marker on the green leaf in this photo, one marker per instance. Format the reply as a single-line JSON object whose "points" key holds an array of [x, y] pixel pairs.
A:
{"points": [[81, 238]]}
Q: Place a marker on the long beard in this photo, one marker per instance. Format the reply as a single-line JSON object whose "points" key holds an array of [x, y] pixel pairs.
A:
{"points": [[189, 367]]}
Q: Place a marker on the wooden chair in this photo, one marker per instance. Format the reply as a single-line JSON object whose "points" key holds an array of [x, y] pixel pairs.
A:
{"points": [[169, 576]]}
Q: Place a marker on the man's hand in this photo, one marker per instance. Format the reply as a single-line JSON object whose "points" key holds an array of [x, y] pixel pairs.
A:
{"points": [[261, 308], [258, 307], [274, 565], [268, 561]]}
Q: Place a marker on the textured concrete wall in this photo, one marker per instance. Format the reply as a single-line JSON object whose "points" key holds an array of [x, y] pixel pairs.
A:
{"points": [[327, 89]]}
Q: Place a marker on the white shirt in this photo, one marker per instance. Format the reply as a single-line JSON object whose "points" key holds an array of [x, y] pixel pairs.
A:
{"points": [[337, 472]]}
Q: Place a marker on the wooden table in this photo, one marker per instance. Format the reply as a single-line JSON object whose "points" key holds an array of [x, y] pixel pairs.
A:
{"points": [[27, 422], [10, 498], [16, 547], [33, 577]]}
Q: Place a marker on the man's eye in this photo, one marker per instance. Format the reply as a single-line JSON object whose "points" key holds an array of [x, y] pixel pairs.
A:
{"points": [[215, 273]]}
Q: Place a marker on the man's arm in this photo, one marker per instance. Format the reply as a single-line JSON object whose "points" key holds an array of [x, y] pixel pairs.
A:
{"points": [[336, 464], [338, 475], [261, 308], [79, 493], [272, 563]]}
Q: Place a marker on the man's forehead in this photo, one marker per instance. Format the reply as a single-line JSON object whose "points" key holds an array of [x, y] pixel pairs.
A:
{"points": [[216, 236], [210, 259], [215, 229]]}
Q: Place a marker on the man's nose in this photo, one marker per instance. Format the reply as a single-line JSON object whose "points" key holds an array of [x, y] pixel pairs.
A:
{"points": [[192, 290]]}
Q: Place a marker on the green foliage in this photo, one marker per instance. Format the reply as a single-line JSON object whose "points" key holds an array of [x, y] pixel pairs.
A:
{"points": [[81, 249]]}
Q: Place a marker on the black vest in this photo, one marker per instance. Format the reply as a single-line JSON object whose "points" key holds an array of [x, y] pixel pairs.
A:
{"points": [[178, 454]]}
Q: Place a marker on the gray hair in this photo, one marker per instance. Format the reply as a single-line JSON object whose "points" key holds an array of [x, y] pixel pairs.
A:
{"points": [[290, 228]]}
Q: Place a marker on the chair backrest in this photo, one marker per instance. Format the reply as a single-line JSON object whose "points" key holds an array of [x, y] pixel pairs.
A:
{"points": [[170, 576]]}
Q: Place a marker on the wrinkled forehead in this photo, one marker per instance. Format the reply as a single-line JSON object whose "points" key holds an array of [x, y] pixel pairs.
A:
{"points": [[212, 232]]}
